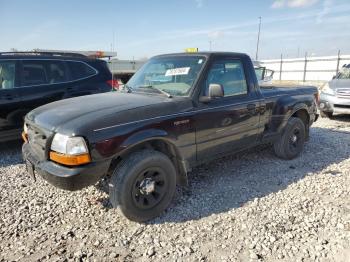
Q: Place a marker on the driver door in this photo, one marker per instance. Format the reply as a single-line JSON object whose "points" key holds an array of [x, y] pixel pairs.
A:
{"points": [[228, 123]]}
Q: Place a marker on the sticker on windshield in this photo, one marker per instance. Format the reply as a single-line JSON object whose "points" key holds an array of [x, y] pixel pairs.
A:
{"points": [[200, 61], [177, 71]]}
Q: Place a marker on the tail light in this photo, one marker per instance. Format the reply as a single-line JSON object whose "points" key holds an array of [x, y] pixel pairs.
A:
{"points": [[113, 83], [317, 97]]}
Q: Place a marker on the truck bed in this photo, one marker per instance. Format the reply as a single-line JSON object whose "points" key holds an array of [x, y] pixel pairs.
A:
{"points": [[271, 91]]}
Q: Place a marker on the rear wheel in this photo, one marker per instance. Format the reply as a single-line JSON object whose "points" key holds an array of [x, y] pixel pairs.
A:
{"points": [[143, 185], [291, 143], [326, 114]]}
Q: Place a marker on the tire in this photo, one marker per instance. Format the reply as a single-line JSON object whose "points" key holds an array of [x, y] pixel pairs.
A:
{"points": [[326, 114], [143, 185], [291, 143]]}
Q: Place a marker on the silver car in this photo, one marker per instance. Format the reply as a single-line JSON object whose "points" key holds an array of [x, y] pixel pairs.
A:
{"points": [[335, 94]]}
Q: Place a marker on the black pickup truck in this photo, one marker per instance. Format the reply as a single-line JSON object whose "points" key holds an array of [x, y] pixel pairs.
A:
{"points": [[176, 112]]}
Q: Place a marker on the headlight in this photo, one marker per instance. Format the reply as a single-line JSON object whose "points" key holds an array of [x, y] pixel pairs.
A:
{"points": [[69, 150], [25, 128], [327, 90], [69, 145]]}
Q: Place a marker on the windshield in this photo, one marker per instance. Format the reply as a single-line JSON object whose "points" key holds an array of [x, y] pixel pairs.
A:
{"points": [[344, 73], [174, 76]]}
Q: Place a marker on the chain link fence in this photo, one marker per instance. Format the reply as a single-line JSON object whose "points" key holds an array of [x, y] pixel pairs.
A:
{"points": [[309, 69]]}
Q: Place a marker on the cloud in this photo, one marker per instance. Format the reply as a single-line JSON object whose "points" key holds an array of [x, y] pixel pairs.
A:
{"points": [[199, 3], [301, 3], [249, 26], [277, 4], [216, 34], [293, 3], [327, 4]]}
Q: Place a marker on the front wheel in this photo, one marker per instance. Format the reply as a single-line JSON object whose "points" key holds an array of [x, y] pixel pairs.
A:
{"points": [[143, 185], [291, 143]]}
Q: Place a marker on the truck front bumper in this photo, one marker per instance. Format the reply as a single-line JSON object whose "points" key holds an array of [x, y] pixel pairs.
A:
{"points": [[68, 178], [334, 104]]}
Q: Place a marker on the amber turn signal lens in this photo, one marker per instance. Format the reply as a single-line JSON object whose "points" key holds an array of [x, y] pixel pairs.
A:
{"points": [[24, 137], [70, 160]]}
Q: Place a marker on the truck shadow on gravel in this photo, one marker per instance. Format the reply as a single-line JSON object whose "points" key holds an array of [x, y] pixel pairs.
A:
{"points": [[10, 153], [231, 182]]}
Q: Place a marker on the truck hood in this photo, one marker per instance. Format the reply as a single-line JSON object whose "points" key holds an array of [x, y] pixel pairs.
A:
{"points": [[72, 115]]}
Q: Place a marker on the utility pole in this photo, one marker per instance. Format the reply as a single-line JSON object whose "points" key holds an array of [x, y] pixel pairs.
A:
{"points": [[257, 43], [209, 45], [338, 61], [305, 67]]}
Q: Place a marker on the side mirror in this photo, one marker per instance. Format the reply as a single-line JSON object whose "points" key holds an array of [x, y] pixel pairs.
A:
{"points": [[215, 91]]}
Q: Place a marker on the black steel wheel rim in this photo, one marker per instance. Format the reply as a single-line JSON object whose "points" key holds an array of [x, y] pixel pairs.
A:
{"points": [[149, 188], [295, 140]]}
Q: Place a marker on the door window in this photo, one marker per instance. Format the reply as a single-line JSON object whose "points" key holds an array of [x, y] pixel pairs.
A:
{"points": [[7, 74], [56, 72], [80, 70], [41, 72], [34, 73], [230, 75]]}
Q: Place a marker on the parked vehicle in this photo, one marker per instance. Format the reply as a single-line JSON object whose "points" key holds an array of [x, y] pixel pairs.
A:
{"points": [[149, 136], [264, 75], [29, 80], [335, 95]]}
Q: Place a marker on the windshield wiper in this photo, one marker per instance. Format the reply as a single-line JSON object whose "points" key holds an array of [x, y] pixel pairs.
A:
{"points": [[154, 88]]}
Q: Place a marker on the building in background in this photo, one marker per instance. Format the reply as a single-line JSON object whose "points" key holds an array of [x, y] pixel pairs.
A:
{"points": [[124, 69]]}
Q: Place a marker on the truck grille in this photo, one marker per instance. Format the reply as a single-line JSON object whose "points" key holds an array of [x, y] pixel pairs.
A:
{"points": [[343, 92], [342, 106], [38, 140]]}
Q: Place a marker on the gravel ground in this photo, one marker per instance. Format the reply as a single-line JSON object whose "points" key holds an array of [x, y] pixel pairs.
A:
{"points": [[251, 206]]}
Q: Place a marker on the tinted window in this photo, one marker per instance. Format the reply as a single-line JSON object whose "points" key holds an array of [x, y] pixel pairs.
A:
{"points": [[7, 74], [56, 71], [39, 72], [229, 74], [80, 70], [34, 73]]}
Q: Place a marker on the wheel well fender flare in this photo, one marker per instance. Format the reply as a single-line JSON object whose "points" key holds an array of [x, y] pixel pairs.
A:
{"points": [[159, 140], [299, 110]]}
